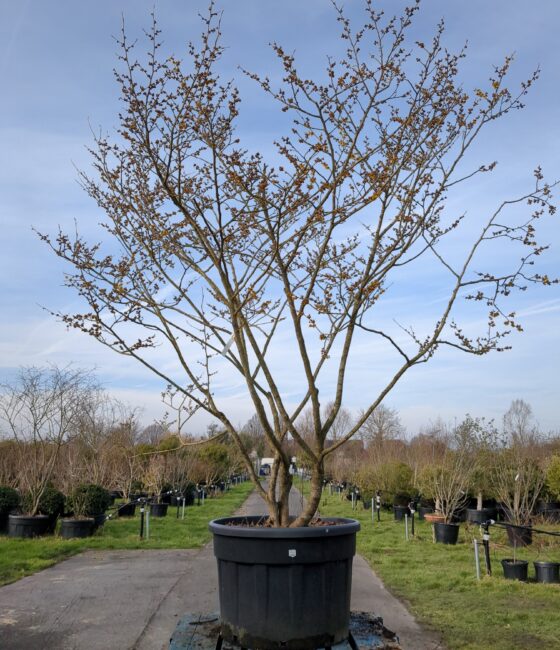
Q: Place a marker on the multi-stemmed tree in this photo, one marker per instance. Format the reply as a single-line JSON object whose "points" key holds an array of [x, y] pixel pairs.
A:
{"points": [[234, 260]]}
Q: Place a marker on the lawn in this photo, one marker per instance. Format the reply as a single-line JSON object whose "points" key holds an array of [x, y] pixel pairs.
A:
{"points": [[438, 582], [22, 557]]}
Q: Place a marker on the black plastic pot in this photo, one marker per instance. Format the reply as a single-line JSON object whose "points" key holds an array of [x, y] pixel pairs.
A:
{"points": [[515, 570], [519, 536], [480, 516], [284, 587], [547, 571], [424, 510], [126, 510], [459, 515], [552, 516], [70, 528], [99, 520], [400, 512], [446, 533], [28, 526], [158, 509], [547, 505]]}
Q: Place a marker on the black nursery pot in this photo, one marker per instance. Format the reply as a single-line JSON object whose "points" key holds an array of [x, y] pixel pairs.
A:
{"points": [[28, 526], [479, 516], [446, 533], [400, 512], [519, 536], [284, 587], [424, 510], [515, 570], [99, 520], [158, 509], [126, 510], [547, 571], [70, 528]]}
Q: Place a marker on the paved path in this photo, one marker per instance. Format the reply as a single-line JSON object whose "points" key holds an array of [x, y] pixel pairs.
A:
{"points": [[132, 600]]}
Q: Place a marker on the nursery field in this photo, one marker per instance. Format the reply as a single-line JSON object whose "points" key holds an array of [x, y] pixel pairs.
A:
{"points": [[438, 582], [21, 557]]}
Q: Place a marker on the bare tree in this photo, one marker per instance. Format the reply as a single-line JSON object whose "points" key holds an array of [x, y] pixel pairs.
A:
{"points": [[518, 423], [225, 257], [40, 409], [448, 480], [382, 424]]}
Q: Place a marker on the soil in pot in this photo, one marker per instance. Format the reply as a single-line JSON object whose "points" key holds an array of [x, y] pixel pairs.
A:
{"points": [[400, 512], [446, 533], [71, 528], [479, 516], [28, 526], [519, 536], [547, 571], [158, 509], [515, 570], [284, 587]]}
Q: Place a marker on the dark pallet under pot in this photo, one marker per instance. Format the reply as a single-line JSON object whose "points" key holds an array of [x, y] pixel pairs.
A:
{"points": [[196, 631]]}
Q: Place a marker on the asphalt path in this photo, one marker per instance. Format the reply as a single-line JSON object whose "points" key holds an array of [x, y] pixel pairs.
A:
{"points": [[133, 600]]}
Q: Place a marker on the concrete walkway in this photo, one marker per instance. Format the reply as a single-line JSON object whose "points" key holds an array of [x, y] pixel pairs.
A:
{"points": [[132, 600]]}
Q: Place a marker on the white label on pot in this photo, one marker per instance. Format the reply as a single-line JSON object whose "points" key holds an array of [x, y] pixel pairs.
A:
{"points": [[292, 552]]}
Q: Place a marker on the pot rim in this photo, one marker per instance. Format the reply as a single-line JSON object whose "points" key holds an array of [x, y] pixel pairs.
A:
{"points": [[29, 516], [343, 526], [510, 560]]}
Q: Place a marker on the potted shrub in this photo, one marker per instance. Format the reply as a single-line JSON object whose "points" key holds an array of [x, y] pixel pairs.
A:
{"points": [[9, 501], [446, 482], [482, 437], [47, 511], [79, 524], [394, 481], [230, 260], [93, 501], [155, 480], [518, 479], [549, 507]]}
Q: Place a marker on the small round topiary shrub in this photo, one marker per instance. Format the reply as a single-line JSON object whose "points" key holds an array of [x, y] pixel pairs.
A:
{"points": [[9, 499], [89, 500], [51, 503]]}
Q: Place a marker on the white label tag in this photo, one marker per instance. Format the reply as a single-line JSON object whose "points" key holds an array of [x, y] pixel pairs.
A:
{"points": [[292, 552]]}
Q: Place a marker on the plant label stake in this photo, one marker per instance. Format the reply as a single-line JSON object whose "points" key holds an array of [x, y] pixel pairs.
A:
{"points": [[142, 521], [148, 524], [378, 502], [486, 544], [412, 511], [183, 513], [406, 527], [372, 510], [476, 559]]}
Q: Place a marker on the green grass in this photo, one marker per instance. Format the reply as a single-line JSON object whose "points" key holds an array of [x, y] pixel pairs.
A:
{"points": [[22, 557], [438, 583]]}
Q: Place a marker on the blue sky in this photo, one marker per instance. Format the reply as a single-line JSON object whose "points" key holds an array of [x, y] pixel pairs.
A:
{"points": [[56, 61]]}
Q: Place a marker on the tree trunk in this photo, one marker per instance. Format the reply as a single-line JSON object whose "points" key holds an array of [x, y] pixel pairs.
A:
{"points": [[312, 503]]}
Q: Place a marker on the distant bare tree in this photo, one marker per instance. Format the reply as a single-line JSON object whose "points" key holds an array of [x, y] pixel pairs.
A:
{"points": [[518, 423], [382, 424]]}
